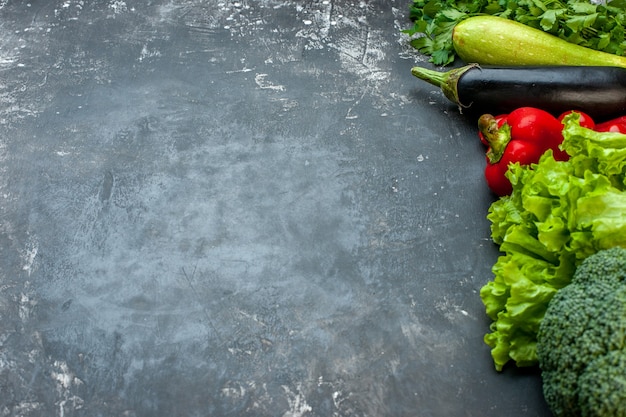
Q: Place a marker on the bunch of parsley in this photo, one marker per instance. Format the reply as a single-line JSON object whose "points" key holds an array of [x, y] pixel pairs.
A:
{"points": [[593, 24]]}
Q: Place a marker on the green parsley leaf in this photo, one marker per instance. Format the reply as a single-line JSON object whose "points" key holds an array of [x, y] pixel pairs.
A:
{"points": [[597, 26]]}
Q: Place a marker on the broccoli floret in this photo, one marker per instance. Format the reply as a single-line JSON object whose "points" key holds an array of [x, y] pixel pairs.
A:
{"points": [[602, 386], [581, 343]]}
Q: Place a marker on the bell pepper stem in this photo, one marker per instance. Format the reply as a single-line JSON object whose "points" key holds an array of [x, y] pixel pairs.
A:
{"points": [[497, 137], [446, 81]]}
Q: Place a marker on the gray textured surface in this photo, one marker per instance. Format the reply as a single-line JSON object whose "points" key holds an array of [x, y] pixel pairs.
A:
{"points": [[217, 208]]}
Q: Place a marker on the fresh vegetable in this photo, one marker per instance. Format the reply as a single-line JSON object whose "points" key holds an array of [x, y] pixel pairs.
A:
{"points": [[492, 40], [500, 119], [614, 125], [522, 136], [581, 340], [620, 119], [617, 125], [593, 25], [611, 127], [599, 91], [558, 214], [583, 118]]}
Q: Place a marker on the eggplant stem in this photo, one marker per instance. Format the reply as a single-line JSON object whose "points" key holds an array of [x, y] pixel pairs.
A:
{"points": [[446, 81]]}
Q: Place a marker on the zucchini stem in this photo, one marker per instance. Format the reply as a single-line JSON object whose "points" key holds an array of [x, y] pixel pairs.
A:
{"points": [[446, 81]]}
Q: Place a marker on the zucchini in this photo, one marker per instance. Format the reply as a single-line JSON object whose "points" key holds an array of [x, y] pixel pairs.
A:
{"points": [[596, 90], [492, 40]]}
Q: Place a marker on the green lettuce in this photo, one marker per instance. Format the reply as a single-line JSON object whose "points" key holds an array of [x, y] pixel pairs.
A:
{"points": [[559, 213]]}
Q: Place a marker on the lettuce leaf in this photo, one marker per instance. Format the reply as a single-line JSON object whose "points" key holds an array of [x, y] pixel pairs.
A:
{"points": [[559, 213]]}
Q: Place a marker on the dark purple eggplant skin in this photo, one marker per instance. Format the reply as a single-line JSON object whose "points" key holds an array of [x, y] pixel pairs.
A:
{"points": [[598, 91]]}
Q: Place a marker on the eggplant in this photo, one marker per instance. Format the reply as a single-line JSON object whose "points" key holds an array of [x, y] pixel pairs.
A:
{"points": [[599, 91]]}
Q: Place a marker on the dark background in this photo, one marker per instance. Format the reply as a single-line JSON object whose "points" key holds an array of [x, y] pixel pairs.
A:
{"points": [[248, 208]]}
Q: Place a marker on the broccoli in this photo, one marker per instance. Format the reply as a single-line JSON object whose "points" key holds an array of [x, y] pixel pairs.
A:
{"points": [[581, 343]]}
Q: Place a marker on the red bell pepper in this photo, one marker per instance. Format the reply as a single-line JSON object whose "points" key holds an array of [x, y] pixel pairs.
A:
{"points": [[615, 125], [611, 127], [521, 136], [584, 120], [500, 119]]}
